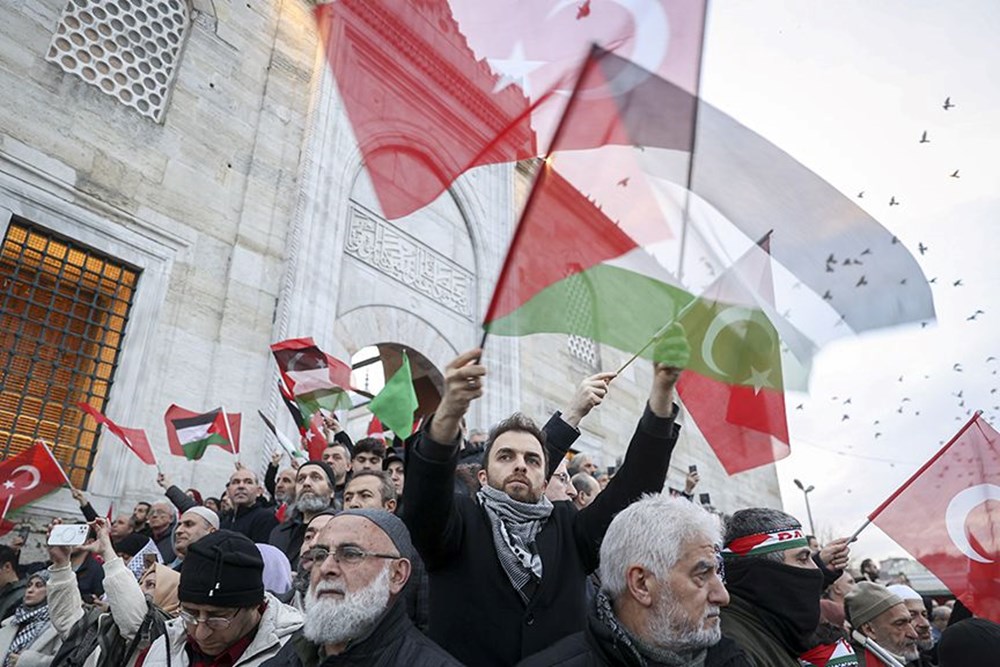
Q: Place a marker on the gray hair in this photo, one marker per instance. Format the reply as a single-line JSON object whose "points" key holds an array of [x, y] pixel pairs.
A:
{"points": [[652, 532], [756, 520]]}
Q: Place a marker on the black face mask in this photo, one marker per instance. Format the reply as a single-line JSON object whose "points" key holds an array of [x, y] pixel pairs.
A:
{"points": [[786, 597]]}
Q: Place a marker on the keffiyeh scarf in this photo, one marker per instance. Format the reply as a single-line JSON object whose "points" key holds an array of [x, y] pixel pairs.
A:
{"points": [[515, 526], [30, 622]]}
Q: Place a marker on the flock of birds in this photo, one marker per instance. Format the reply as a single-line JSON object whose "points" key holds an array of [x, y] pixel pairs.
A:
{"points": [[963, 406]]}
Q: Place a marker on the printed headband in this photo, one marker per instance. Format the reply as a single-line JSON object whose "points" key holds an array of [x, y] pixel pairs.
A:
{"points": [[763, 543]]}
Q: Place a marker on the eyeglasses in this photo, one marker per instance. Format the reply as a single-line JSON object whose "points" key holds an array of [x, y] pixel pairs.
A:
{"points": [[213, 622], [346, 554], [562, 477]]}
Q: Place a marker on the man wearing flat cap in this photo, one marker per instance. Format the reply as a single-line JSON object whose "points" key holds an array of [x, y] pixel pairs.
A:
{"points": [[354, 611], [883, 631], [226, 617]]}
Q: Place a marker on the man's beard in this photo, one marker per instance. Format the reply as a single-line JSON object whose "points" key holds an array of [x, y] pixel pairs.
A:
{"points": [[333, 620], [525, 495], [925, 644], [286, 497], [911, 652], [311, 502], [669, 628]]}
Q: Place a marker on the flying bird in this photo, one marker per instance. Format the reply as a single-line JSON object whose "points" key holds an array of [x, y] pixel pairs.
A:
{"points": [[624, 182], [959, 394], [922, 248], [798, 407], [893, 202], [975, 315], [989, 359], [957, 283], [947, 104], [954, 174], [827, 296], [861, 195], [924, 139], [957, 368], [932, 280], [845, 418], [878, 435], [861, 281], [866, 251], [831, 259], [847, 401]]}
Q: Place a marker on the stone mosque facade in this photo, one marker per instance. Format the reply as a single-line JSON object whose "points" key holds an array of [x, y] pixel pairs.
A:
{"points": [[179, 188]]}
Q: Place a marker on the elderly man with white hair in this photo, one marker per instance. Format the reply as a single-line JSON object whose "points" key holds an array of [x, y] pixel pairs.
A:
{"points": [[919, 620], [660, 596]]}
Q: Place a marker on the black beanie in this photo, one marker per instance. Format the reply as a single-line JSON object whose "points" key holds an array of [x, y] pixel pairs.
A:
{"points": [[222, 569], [970, 643], [325, 467], [131, 544]]}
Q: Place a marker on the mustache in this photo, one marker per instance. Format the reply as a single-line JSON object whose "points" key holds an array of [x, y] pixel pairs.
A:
{"points": [[328, 587], [516, 478]]}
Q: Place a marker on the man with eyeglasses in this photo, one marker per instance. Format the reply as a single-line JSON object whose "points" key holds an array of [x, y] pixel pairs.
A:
{"points": [[559, 487], [354, 614], [226, 618]]}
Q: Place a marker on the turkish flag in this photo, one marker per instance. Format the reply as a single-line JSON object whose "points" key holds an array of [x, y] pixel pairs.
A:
{"points": [[134, 438], [30, 475], [435, 87], [948, 517]]}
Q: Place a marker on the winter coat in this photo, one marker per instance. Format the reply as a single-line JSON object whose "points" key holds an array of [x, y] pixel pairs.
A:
{"points": [[39, 653], [475, 612], [394, 642], [256, 521], [278, 623], [742, 625], [288, 536], [125, 598]]}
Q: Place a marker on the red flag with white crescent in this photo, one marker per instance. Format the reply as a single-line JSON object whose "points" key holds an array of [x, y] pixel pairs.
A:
{"points": [[947, 516], [30, 475]]}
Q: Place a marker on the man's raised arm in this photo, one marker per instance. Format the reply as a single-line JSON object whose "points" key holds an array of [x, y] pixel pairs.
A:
{"points": [[647, 459], [428, 496]]}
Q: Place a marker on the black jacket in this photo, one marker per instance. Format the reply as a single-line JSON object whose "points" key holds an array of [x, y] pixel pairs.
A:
{"points": [[475, 613], [11, 597], [288, 536], [394, 642], [597, 646], [182, 501], [256, 521]]}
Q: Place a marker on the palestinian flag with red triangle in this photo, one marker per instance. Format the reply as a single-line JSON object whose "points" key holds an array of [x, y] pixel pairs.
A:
{"points": [[190, 433]]}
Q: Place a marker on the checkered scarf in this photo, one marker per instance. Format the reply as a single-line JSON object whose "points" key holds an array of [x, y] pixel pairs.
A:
{"points": [[30, 622], [138, 563], [515, 525]]}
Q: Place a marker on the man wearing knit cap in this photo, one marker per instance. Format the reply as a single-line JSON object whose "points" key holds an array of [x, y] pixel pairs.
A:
{"points": [[921, 623], [883, 632], [194, 524], [226, 617], [774, 587], [314, 484], [354, 612]]}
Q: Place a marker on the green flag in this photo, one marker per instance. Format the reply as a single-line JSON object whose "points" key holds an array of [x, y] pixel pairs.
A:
{"points": [[396, 403]]}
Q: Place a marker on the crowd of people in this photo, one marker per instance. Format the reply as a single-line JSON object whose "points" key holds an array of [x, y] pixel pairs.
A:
{"points": [[460, 548]]}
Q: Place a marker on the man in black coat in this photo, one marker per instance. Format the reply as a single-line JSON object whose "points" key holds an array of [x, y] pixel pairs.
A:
{"points": [[660, 597], [507, 568], [354, 609], [314, 483], [250, 515]]}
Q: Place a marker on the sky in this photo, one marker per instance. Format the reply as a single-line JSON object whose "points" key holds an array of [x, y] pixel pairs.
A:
{"points": [[848, 88]]}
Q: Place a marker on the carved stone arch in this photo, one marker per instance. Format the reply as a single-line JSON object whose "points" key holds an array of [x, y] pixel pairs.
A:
{"points": [[368, 324]]}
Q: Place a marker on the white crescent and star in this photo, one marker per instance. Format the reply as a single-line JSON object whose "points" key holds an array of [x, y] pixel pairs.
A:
{"points": [[650, 42], [958, 513], [31, 470], [733, 316]]}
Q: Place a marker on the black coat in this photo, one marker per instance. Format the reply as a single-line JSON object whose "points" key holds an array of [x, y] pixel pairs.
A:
{"points": [[394, 642], [11, 597], [597, 646], [288, 536], [256, 521], [475, 613]]}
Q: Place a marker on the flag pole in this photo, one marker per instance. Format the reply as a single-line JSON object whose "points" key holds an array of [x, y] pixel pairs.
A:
{"points": [[854, 536], [681, 313], [229, 434], [56, 461], [546, 165]]}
